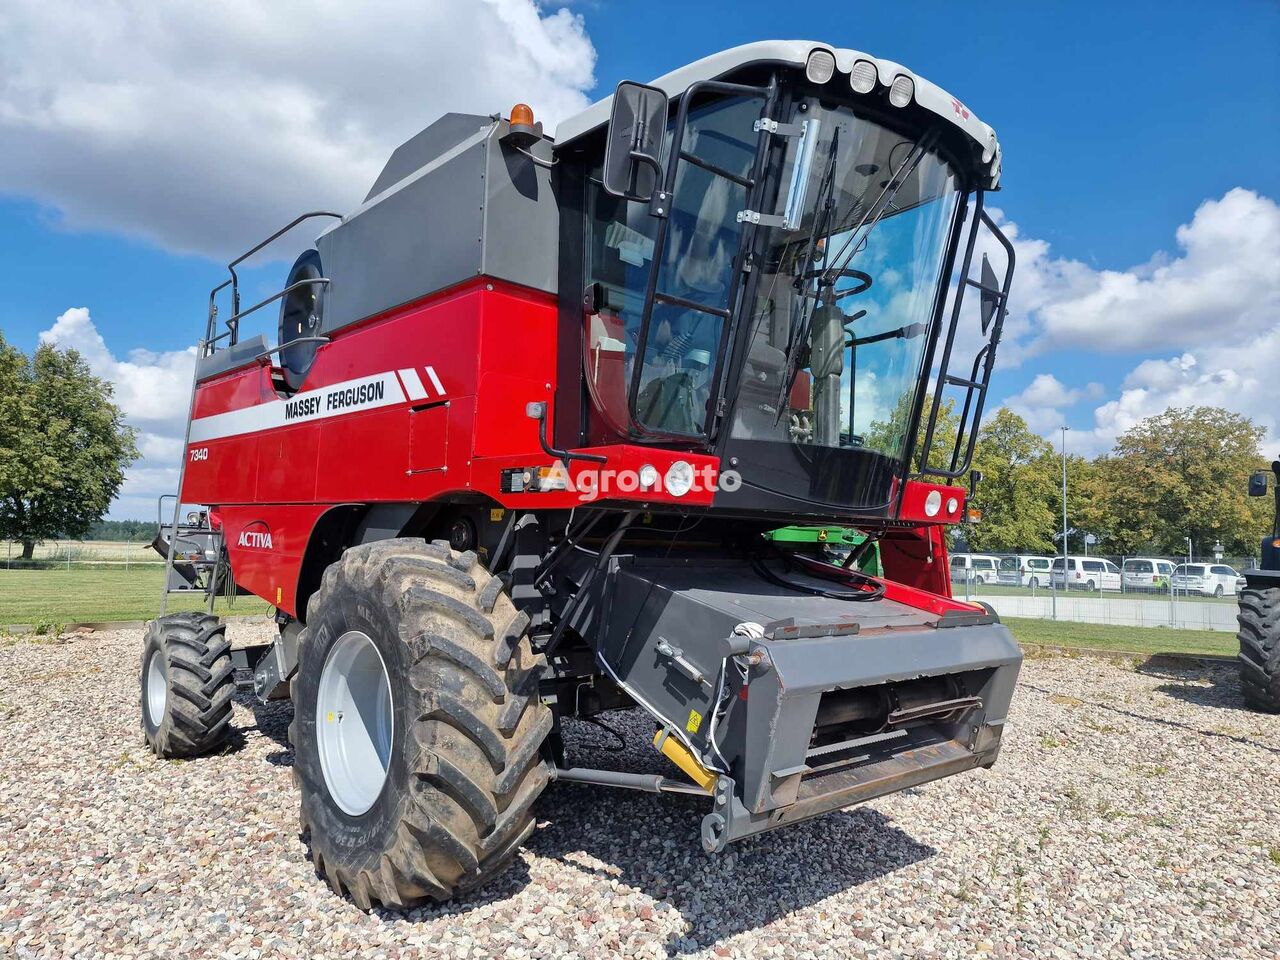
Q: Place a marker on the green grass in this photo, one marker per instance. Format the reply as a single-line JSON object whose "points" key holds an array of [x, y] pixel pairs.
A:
{"points": [[1102, 636], [93, 593]]}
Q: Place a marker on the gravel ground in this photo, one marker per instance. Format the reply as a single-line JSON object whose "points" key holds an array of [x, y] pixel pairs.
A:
{"points": [[1132, 813]]}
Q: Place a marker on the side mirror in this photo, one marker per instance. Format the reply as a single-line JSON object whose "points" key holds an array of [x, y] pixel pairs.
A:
{"points": [[990, 300], [632, 168], [1258, 484]]}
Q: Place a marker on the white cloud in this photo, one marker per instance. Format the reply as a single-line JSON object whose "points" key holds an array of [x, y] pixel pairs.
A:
{"points": [[1211, 316], [1043, 401], [1238, 376], [154, 392], [203, 126], [1223, 284]]}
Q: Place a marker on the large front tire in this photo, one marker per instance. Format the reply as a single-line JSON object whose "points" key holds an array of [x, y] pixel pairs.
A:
{"points": [[1259, 637], [187, 684], [452, 766]]}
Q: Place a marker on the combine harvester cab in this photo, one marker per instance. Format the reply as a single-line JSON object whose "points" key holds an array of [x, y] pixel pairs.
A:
{"points": [[559, 426]]}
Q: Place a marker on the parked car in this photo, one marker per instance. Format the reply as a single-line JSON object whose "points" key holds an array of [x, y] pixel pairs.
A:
{"points": [[1025, 571], [1086, 573], [1206, 579], [974, 567], [1146, 573]]}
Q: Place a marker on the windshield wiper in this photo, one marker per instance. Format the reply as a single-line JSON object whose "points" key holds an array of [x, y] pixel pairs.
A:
{"points": [[888, 193], [839, 261]]}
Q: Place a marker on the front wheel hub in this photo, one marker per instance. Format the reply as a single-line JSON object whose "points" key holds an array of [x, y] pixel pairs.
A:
{"points": [[354, 723], [157, 688]]}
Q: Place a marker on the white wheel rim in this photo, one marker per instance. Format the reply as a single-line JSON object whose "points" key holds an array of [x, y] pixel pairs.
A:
{"points": [[354, 722], [157, 688]]}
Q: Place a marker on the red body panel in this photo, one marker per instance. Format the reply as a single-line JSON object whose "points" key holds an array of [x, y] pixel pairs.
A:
{"points": [[445, 384], [267, 543]]}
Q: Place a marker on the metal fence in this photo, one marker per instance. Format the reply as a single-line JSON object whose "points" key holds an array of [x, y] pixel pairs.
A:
{"points": [[1110, 595], [68, 554]]}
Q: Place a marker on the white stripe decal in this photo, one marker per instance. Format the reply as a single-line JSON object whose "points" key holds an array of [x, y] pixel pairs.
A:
{"points": [[435, 381], [350, 396], [412, 384]]}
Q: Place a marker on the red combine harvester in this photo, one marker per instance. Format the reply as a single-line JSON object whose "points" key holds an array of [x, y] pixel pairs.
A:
{"points": [[536, 406]]}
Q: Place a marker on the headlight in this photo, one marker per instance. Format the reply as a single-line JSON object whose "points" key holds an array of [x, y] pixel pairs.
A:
{"points": [[932, 503], [820, 67], [679, 480], [648, 477], [902, 91], [952, 506], [863, 76]]}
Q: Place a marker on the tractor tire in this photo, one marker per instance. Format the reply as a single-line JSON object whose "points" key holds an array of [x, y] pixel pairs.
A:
{"points": [[187, 685], [1259, 637], [451, 727]]}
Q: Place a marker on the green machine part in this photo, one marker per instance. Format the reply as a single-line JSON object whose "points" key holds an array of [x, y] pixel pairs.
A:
{"points": [[838, 540]]}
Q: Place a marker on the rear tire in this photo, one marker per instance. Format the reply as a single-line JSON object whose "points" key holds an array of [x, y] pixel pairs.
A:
{"points": [[462, 766], [1217, 591], [1259, 637], [187, 684], [1034, 583]]}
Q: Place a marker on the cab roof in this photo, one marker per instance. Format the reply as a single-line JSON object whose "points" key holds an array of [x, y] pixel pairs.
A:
{"points": [[795, 53]]}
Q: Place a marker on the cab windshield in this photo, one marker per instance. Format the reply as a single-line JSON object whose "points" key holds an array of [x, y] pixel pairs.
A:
{"points": [[823, 296], [843, 308]]}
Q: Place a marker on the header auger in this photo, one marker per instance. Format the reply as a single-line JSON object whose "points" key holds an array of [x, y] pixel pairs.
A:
{"points": [[536, 408]]}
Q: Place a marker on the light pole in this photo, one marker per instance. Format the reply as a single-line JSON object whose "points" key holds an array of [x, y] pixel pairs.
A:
{"points": [[1065, 562]]}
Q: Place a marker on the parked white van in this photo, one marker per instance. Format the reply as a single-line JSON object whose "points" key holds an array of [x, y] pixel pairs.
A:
{"points": [[1025, 570], [974, 567], [1086, 573], [1146, 574], [1205, 579]]}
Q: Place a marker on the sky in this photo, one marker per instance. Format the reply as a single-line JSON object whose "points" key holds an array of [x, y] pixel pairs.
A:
{"points": [[143, 145]]}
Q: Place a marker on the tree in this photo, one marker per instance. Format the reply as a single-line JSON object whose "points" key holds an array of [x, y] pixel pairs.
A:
{"points": [[889, 435], [1183, 473], [1086, 511], [63, 446], [1017, 491]]}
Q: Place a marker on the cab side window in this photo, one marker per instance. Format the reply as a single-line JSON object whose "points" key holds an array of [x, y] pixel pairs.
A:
{"points": [[702, 241]]}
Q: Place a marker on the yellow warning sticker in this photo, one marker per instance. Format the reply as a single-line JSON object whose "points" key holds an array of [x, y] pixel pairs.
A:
{"points": [[496, 514], [695, 721]]}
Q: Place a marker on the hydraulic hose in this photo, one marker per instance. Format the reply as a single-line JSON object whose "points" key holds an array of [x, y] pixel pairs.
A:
{"points": [[875, 592]]}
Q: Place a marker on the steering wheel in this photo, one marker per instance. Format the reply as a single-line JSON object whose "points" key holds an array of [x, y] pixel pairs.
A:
{"points": [[864, 280]]}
